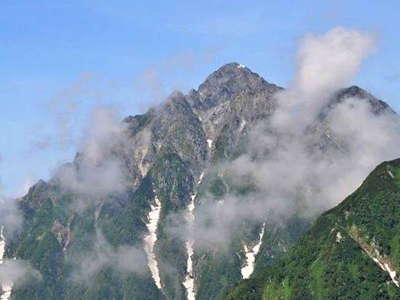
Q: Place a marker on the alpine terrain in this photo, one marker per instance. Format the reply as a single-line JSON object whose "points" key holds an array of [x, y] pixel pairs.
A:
{"points": [[201, 198]]}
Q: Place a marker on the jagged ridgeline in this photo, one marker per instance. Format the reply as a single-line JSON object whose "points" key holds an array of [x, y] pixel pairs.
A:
{"points": [[158, 235], [351, 252]]}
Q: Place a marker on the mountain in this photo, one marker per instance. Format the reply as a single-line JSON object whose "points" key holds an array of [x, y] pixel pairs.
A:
{"points": [[351, 251], [132, 216]]}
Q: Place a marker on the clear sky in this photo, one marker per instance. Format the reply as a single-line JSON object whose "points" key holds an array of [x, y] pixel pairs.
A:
{"points": [[60, 58]]}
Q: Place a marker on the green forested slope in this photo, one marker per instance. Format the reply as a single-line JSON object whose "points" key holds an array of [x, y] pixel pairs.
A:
{"points": [[347, 254]]}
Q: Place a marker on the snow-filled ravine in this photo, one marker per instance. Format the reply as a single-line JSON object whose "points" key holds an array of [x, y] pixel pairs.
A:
{"points": [[5, 286], [2, 244], [188, 282], [150, 240], [385, 267], [7, 289], [242, 125], [382, 263], [250, 255]]}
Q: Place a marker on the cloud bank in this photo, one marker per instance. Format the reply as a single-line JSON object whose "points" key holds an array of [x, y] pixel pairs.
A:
{"points": [[325, 63], [97, 171], [125, 259], [17, 272], [312, 153]]}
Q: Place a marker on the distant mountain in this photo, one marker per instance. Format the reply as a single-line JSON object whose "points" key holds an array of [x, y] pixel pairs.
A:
{"points": [[142, 202], [350, 252]]}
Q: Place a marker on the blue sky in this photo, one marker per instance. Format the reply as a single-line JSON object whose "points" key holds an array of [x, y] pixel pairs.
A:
{"points": [[59, 59]]}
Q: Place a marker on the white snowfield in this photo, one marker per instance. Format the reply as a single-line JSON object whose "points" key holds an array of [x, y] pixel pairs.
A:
{"points": [[220, 202], [188, 282], [338, 237], [242, 125], [251, 253], [392, 274], [209, 142], [150, 240], [5, 286], [7, 289], [385, 267], [200, 178], [2, 244], [379, 260]]}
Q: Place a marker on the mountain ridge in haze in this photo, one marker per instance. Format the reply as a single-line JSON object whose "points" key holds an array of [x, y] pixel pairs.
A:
{"points": [[168, 170]]}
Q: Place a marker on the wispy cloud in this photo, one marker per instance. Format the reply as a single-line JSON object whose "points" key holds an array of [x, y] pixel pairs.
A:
{"points": [[125, 259], [297, 163]]}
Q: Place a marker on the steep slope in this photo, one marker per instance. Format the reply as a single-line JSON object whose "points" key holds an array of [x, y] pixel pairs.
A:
{"points": [[351, 252], [170, 160], [163, 154]]}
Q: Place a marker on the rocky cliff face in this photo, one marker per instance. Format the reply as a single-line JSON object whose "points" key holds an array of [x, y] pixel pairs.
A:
{"points": [[205, 121], [169, 160]]}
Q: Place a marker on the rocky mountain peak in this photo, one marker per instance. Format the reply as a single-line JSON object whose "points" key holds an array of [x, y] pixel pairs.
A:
{"points": [[164, 156], [356, 93], [377, 106], [228, 82]]}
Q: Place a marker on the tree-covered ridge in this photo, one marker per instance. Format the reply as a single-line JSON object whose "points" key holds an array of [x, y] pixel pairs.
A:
{"points": [[351, 252], [59, 240]]}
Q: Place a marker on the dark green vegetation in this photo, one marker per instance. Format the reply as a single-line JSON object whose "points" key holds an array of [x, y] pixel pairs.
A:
{"points": [[335, 259], [55, 239]]}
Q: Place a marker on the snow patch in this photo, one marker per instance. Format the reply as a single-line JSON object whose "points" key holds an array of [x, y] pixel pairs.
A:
{"points": [[242, 125], [209, 142], [251, 253], [390, 173], [201, 178], [151, 238], [338, 237], [7, 285], [382, 264], [7, 289], [68, 241], [2, 244], [240, 66], [392, 274], [188, 282], [385, 267]]}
